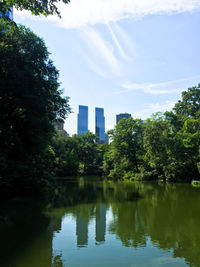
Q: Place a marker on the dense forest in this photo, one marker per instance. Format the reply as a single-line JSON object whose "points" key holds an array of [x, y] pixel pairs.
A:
{"points": [[30, 103], [166, 146], [33, 153]]}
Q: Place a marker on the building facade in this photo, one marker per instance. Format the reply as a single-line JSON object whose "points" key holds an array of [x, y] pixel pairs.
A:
{"points": [[100, 125], [82, 119], [59, 126], [121, 116]]}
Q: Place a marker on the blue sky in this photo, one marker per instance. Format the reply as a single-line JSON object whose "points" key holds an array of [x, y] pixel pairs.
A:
{"points": [[134, 56]]}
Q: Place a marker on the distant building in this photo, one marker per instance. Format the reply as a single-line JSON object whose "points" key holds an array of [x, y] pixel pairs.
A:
{"points": [[121, 116], [60, 127], [82, 120], [100, 124]]}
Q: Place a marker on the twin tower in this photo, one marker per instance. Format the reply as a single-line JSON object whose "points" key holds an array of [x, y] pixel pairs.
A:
{"points": [[99, 122]]}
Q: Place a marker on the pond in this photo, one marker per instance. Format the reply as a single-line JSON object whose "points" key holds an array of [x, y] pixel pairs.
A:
{"points": [[103, 223]]}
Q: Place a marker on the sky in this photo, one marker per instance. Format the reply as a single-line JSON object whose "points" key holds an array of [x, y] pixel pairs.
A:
{"points": [[133, 56]]}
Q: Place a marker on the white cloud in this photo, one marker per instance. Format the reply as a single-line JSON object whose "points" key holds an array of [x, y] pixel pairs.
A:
{"points": [[129, 45], [118, 45], [80, 13], [168, 87], [155, 107], [100, 54], [151, 108]]}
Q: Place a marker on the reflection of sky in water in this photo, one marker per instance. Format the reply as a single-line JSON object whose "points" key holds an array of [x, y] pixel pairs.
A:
{"points": [[114, 227], [112, 252]]}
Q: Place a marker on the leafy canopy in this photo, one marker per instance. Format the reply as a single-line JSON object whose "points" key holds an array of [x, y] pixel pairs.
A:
{"points": [[37, 7], [30, 99], [189, 106]]}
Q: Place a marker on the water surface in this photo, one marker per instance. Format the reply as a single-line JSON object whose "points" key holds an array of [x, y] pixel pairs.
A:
{"points": [[102, 223]]}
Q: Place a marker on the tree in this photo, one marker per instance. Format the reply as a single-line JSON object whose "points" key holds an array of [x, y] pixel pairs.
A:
{"points": [[160, 144], [78, 154], [37, 7], [87, 152], [30, 102], [172, 151], [125, 150], [190, 103], [66, 158]]}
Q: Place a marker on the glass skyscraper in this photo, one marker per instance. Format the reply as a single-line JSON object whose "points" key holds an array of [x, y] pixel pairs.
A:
{"points": [[82, 119], [100, 124], [121, 116]]}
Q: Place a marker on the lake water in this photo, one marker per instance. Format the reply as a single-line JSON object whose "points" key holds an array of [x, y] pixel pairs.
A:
{"points": [[101, 223]]}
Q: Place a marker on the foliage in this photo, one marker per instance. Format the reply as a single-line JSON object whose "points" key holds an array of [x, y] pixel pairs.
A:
{"points": [[195, 183], [190, 103], [79, 154], [166, 147], [37, 7], [87, 151], [125, 152], [30, 102], [66, 158]]}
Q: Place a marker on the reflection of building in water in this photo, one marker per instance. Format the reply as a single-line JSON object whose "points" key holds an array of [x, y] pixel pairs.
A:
{"points": [[81, 231], [82, 226], [100, 222]]}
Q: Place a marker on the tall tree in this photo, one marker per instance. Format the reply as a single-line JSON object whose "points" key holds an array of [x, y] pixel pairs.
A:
{"points": [[126, 146], [87, 152], [30, 101], [190, 103]]}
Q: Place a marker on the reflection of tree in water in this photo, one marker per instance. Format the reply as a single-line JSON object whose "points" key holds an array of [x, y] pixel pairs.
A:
{"points": [[177, 218], [22, 227], [57, 261], [168, 214], [31, 230], [127, 224]]}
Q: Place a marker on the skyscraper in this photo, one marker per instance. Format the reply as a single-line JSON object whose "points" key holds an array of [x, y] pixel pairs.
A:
{"points": [[100, 124], [121, 116], [82, 119]]}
